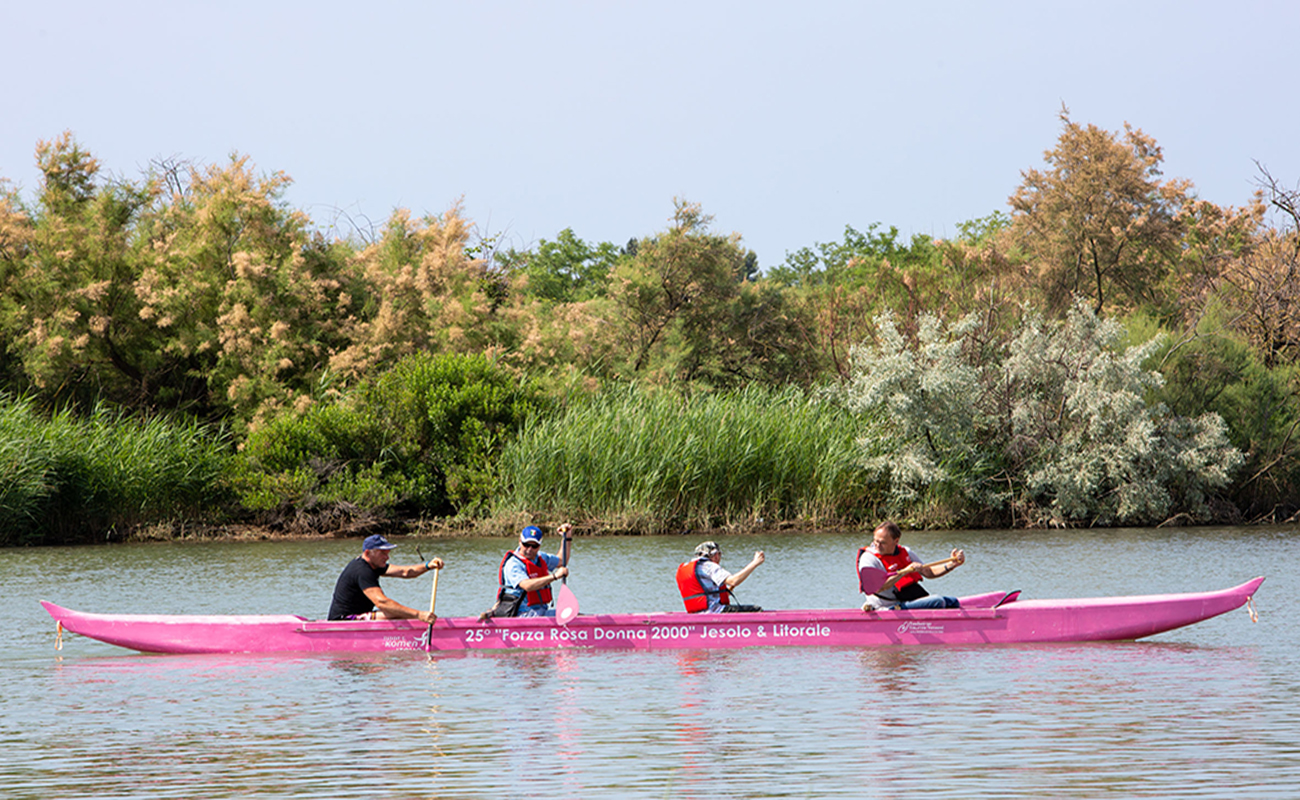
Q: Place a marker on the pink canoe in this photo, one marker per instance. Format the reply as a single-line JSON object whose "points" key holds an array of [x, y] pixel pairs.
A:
{"points": [[995, 618]]}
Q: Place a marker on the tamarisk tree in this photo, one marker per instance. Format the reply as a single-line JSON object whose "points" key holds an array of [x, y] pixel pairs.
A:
{"points": [[1099, 221]]}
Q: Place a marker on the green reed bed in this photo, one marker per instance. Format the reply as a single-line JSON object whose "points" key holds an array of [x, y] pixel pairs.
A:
{"points": [[656, 462], [69, 478]]}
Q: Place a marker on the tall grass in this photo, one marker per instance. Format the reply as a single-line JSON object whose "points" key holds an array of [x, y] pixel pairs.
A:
{"points": [[654, 462], [25, 480], [69, 478]]}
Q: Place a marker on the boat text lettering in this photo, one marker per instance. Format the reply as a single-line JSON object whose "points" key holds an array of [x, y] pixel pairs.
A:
{"points": [[480, 634], [671, 631], [800, 630], [619, 633]]}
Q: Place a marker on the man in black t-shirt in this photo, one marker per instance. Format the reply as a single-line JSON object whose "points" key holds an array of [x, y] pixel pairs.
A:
{"points": [[357, 594]]}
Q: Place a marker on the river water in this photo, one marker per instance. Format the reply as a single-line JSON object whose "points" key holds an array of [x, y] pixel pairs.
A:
{"points": [[1206, 711]]}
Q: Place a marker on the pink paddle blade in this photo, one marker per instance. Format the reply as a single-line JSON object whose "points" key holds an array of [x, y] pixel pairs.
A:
{"points": [[566, 607]]}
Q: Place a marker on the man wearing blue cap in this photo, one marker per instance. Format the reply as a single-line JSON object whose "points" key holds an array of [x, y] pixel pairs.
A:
{"points": [[357, 594], [528, 571]]}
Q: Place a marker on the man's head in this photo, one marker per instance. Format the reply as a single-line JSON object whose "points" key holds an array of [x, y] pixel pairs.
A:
{"points": [[885, 538], [708, 550], [530, 539], [375, 550]]}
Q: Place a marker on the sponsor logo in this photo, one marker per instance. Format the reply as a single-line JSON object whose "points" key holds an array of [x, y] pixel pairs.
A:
{"points": [[403, 643], [917, 627]]}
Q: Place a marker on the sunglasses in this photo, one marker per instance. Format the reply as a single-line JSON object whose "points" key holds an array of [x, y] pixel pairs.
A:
{"points": [[531, 544]]}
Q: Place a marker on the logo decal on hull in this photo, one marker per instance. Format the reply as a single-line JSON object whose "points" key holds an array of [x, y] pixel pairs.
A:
{"points": [[916, 627]]}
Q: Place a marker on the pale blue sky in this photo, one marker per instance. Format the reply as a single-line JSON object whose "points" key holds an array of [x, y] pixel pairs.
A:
{"points": [[786, 121]]}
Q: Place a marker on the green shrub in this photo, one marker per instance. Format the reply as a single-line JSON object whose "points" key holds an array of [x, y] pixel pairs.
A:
{"points": [[421, 438], [1217, 373]]}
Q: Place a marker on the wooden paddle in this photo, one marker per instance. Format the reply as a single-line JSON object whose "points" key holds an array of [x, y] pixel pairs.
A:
{"points": [[940, 562], [433, 597], [433, 601]]}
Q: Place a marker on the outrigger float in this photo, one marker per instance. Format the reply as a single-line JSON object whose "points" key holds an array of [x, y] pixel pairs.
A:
{"points": [[994, 618]]}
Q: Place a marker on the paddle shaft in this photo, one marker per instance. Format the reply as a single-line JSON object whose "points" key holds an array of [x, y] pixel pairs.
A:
{"points": [[564, 548], [433, 596], [433, 602], [938, 563]]}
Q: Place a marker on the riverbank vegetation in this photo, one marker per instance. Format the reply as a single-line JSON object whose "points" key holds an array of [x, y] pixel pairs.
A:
{"points": [[185, 347], [103, 474], [655, 461]]}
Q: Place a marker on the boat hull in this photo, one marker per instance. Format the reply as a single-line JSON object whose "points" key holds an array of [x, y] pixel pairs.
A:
{"points": [[995, 618]]}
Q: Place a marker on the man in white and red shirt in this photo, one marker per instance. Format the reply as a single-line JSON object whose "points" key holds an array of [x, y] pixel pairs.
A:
{"points": [[890, 574]]}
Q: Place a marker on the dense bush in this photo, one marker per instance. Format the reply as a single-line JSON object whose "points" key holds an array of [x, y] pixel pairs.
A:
{"points": [[422, 438], [1216, 371]]}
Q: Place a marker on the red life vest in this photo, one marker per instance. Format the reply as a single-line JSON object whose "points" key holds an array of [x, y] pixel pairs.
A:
{"points": [[694, 595], [893, 564], [536, 569]]}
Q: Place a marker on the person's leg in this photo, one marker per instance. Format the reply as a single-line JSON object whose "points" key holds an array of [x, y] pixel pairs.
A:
{"points": [[932, 601], [536, 611]]}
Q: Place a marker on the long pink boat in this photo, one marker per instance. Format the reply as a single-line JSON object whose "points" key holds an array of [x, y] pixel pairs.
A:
{"points": [[995, 618]]}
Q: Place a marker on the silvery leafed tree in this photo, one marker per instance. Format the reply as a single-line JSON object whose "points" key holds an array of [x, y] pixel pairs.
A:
{"points": [[1047, 425]]}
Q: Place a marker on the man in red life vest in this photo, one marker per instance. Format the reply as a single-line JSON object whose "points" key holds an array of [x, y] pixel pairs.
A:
{"points": [[890, 574], [531, 572], [706, 586]]}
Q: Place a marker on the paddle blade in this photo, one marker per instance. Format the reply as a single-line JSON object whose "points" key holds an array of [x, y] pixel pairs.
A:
{"points": [[566, 607]]}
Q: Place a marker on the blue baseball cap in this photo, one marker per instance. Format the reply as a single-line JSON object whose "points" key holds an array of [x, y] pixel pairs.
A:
{"points": [[531, 534], [376, 542]]}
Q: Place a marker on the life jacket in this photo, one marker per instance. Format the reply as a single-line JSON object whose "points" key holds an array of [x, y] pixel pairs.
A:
{"points": [[893, 564], [536, 569], [694, 595]]}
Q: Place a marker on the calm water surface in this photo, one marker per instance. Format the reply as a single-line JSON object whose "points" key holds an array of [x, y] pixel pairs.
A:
{"points": [[1207, 711]]}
